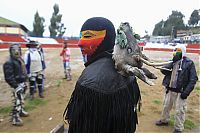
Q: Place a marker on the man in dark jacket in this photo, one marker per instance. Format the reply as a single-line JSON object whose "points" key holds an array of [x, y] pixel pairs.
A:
{"points": [[179, 81], [103, 101], [15, 75]]}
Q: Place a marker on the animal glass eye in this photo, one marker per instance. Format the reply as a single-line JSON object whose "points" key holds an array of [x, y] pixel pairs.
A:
{"points": [[129, 50]]}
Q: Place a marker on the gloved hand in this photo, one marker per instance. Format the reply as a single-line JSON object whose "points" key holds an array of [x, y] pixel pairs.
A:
{"points": [[176, 58], [183, 95]]}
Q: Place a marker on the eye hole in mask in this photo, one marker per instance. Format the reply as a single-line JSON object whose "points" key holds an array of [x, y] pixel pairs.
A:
{"points": [[88, 34]]}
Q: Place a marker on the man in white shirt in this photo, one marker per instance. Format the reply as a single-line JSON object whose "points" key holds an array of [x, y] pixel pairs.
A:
{"points": [[34, 66]]}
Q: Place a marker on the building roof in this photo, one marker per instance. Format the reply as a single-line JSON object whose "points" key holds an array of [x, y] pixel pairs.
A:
{"points": [[7, 23]]}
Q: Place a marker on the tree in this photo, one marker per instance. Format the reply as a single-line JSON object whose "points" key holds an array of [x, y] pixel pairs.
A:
{"points": [[158, 29], [38, 25], [174, 22], [194, 18], [56, 28]]}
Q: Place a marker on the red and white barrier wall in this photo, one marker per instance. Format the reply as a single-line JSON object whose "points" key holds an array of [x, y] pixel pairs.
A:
{"points": [[58, 43]]}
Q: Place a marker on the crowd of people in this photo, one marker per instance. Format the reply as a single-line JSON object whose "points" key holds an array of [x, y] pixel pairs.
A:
{"points": [[27, 73], [103, 100]]}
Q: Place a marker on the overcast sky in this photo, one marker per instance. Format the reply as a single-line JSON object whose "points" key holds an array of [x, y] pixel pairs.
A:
{"points": [[141, 14]]}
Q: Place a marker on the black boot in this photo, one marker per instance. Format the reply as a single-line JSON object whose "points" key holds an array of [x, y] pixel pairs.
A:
{"points": [[177, 131], [23, 113], [161, 123], [41, 95]]}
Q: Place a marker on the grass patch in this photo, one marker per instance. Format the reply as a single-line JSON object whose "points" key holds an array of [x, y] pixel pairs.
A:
{"points": [[158, 102], [188, 124], [5, 110], [29, 105], [171, 121], [197, 88], [32, 104], [58, 83]]}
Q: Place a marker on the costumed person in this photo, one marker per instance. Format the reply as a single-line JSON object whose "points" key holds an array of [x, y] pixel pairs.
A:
{"points": [[15, 75], [34, 66], [65, 53], [103, 100], [41, 52], [179, 81]]}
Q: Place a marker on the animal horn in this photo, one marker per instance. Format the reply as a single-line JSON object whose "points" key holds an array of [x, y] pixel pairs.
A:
{"points": [[154, 63]]}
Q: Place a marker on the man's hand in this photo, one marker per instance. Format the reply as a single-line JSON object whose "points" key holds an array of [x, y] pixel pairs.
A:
{"points": [[183, 95]]}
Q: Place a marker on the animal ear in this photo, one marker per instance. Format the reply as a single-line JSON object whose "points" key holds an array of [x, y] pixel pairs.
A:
{"points": [[137, 36], [121, 39]]}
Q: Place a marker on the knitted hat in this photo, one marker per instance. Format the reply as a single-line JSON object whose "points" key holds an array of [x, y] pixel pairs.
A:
{"points": [[97, 36]]}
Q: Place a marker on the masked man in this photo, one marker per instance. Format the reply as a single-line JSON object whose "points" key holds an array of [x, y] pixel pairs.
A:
{"points": [[103, 100], [35, 68], [179, 81], [16, 76]]}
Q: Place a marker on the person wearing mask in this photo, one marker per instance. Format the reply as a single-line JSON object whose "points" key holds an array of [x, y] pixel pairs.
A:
{"points": [[179, 80], [34, 67], [15, 75], [103, 100]]}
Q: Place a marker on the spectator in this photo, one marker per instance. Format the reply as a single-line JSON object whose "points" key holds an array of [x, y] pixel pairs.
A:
{"points": [[179, 81], [103, 100], [34, 66], [65, 53], [16, 76]]}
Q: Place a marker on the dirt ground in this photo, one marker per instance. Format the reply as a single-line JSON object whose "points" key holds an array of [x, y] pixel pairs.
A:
{"points": [[58, 91]]}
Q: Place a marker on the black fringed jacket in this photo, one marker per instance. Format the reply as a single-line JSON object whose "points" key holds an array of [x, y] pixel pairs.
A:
{"points": [[103, 100]]}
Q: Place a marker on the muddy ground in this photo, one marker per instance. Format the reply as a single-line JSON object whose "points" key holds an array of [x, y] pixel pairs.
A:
{"points": [[58, 91]]}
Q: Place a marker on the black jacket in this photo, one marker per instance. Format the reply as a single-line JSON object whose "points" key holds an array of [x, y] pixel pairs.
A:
{"points": [[187, 77], [103, 101], [13, 72]]}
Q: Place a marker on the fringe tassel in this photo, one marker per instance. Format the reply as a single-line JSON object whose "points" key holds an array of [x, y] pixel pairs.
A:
{"points": [[89, 111]]}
